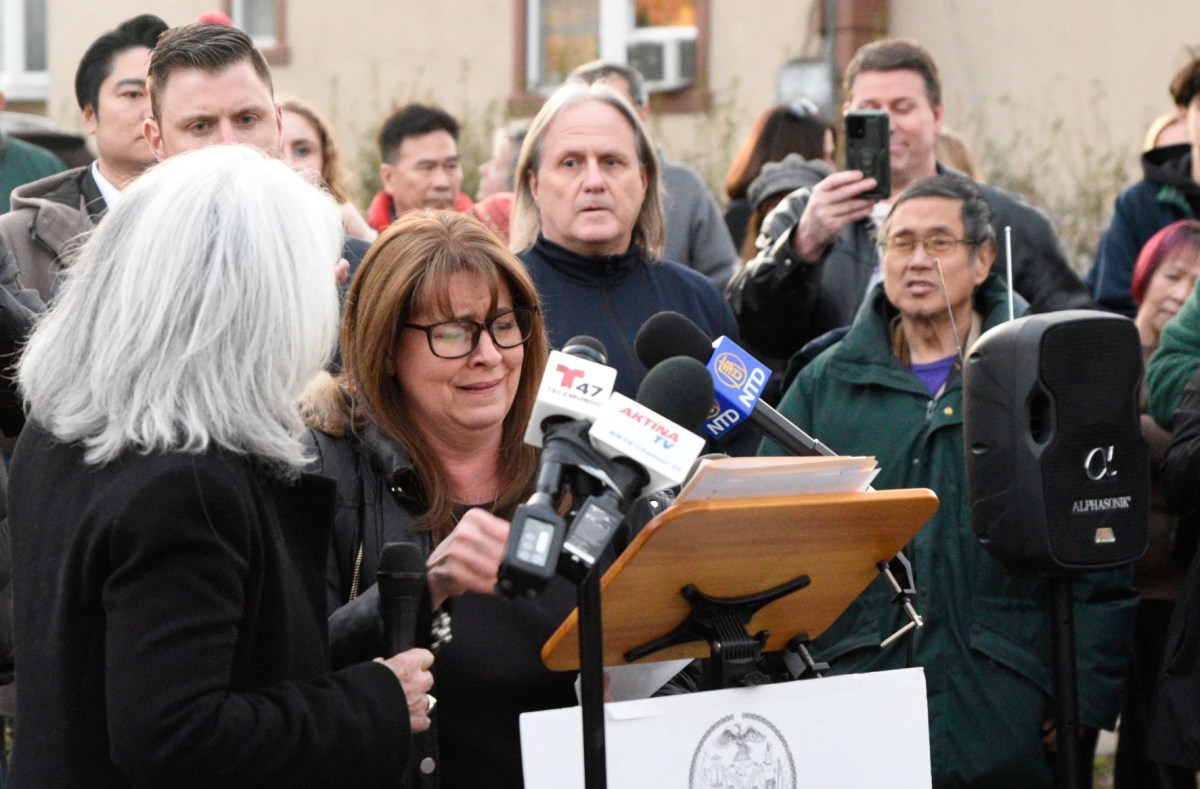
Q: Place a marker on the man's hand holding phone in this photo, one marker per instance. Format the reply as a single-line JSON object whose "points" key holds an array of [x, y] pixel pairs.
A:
{"points": [[835, 202], [850, 195]]}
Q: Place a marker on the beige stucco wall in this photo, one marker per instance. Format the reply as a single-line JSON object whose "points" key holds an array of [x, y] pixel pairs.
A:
{"points": [[1013, 70], [357, 66], [1055, 81], [358, 60], [354, 62], [73, 24]]}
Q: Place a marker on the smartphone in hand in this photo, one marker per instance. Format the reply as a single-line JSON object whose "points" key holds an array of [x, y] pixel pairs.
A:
{"points": [[868, 150]]}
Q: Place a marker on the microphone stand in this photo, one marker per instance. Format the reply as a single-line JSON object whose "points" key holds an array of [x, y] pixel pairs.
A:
{"points": [[593, 526], [591, 682]]}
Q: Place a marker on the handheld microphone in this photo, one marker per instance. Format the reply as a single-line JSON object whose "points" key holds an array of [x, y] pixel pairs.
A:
{"points": [[737, 378], [576, 385], [585, 347], [629, 450], [641, 429], [651, 447], [401, 579]]}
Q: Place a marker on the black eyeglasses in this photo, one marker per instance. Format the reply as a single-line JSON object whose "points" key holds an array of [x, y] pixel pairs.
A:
{"points": [[456, 339]]}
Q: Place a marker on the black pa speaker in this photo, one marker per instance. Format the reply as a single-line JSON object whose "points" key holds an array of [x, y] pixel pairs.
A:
{"points": [[1057, 467]]}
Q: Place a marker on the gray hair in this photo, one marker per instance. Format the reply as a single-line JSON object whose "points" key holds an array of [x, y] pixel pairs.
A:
{"points": [[603, 70], [195, 315], [976, 214], [649, 232]]}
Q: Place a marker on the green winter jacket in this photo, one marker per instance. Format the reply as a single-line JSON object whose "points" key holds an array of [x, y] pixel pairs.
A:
{"points": [[986, 643], [1175, 361]]}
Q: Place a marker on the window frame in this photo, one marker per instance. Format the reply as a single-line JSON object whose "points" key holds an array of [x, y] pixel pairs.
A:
{"points": [[17, 82], [276, 52], [523, 100]]}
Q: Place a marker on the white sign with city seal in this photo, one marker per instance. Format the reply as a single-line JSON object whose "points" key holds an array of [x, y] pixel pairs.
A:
{"points": [[857, 732]]}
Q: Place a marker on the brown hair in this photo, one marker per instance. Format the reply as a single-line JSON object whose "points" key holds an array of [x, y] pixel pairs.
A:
{"points": [[778, 131], [895, 54], [408, 269], [649, 232], [204, 47], [333, 173], [1186, 83]]}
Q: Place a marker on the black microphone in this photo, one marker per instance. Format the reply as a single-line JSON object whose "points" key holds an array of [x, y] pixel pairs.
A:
{"points": [[737, 377], [641, 457], [401, 579], [586, 347], [680, 389], [574, 388]]}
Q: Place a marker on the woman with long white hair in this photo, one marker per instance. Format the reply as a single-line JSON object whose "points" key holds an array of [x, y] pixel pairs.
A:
{"points": [[169, 552]]}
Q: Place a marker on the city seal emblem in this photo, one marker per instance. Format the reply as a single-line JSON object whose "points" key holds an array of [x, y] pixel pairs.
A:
{"points": [[742, 751]]}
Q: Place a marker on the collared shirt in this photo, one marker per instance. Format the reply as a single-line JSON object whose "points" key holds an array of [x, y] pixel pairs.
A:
{"points": [[110, 193], [879, 212]]}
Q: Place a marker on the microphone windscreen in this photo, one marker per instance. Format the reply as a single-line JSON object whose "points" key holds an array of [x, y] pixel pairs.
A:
{"points": [[401, 558], [668, 334], [586, 347], [680, 389]]}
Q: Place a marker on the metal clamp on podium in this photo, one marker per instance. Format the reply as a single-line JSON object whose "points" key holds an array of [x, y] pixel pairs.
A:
{"points": [[901, 598], [736, 655]]}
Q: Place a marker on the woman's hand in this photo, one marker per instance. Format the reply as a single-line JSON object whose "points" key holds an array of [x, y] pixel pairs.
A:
{"points": [[412, 670], [469, 559]]}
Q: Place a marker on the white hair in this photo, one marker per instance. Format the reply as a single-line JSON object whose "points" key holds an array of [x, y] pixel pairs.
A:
{"points": [[195, 314]]}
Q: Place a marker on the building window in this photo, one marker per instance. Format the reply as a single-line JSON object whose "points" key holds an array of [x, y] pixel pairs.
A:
{"points": [[265, 21], [23, 75], [666, 40]]}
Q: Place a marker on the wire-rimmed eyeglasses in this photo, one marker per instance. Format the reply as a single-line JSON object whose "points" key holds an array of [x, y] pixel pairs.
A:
{"points": [[904, 245]]}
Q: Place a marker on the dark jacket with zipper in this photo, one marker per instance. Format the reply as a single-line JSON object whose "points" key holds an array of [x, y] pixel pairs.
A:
{"points": [[985, 646], [1165, 194], [610, 297]]}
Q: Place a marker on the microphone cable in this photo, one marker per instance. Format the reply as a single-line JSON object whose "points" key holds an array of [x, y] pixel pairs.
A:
{"points": [[937, 264]]}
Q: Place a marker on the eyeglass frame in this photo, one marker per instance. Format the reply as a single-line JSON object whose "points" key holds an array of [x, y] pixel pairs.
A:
{"points": [[923, 243], [478, 332]]}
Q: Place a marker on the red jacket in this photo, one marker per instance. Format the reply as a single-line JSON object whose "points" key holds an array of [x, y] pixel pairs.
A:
{"points": [[383, 209]]}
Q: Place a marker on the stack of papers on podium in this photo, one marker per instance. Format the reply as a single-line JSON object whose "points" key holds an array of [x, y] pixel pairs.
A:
{"points": [[761, 477]]}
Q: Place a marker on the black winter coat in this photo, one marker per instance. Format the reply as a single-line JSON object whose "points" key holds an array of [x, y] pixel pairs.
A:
{"points": [[171, 629], [1175, 731], [490, 672]]}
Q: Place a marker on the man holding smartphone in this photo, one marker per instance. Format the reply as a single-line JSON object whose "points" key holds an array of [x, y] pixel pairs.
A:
{"points": [[821, 258]]}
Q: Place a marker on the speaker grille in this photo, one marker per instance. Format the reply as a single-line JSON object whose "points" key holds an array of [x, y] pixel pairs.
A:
{"points": [[1094, 471], [1059, 472]]}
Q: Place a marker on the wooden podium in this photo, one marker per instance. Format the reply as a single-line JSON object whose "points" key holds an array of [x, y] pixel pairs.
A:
{"points": [[734, 547]]}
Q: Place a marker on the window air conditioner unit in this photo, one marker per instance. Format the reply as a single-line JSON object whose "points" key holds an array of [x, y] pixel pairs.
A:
{"points": [[665, 56]]}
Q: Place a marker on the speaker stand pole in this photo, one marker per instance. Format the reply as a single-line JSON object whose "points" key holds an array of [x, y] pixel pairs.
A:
{"points": [[1066, 694]]}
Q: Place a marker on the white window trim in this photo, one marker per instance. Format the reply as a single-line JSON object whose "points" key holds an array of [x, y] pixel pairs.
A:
{"points": [[615, 22], [237, 12], [17, 83], [617, 30]]}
